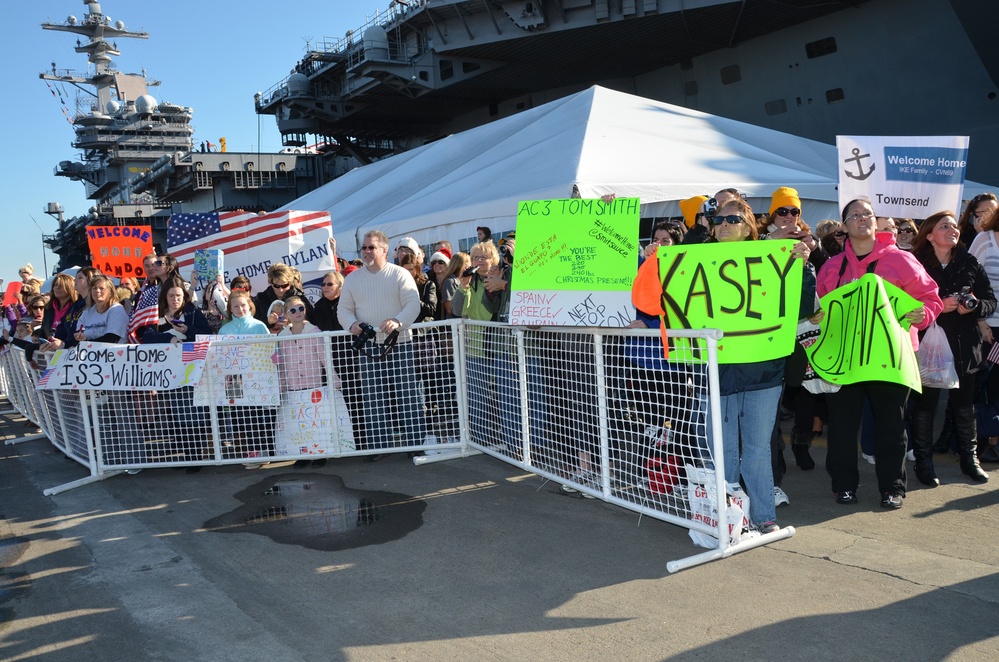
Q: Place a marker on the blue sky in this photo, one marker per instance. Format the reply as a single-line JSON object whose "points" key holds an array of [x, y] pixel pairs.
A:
{"points": [[211, 55]]}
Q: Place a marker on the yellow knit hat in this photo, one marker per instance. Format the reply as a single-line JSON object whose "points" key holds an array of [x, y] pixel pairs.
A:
{"points": [[785, 196], [690, 207]]}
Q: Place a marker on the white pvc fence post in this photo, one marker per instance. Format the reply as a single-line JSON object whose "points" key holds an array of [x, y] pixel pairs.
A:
{"points": [[600, 367]]}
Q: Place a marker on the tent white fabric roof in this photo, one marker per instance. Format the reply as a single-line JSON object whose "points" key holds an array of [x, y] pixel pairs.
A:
{"points": [[597, 141]]}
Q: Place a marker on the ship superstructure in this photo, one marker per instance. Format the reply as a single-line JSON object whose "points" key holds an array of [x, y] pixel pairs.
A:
{"points": [[423, 69]]}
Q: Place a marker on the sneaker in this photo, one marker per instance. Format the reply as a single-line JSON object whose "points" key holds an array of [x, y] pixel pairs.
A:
{"points": [[780, 497], [587, 478], [892, 501], [910, 455], [847, 497], [768, 527], [869, 458]]}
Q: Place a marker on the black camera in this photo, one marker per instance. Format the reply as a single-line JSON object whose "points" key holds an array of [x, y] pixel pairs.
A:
{"points": [[506, 255], [967, 299], [367, 333], [471, 271]]}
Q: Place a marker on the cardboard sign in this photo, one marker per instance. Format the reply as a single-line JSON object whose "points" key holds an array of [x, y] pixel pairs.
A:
{"points": [[864, 336], [208, 263], [242, 374], [308, 420], [751, 290], [117, 250], [101, 366], [907, 177], [575, 262]]}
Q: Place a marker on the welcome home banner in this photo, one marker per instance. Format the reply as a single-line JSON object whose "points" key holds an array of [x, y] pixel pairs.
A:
{"points": [[94, 365], [117, 250], [904, 176], [751, 290]]}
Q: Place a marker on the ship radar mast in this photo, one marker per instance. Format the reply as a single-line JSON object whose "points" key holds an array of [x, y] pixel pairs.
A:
{"points": [[98, 28]]}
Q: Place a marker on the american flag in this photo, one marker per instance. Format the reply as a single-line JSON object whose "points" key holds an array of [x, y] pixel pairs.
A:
{"points": [[44, 379], [236, 231], [993, 356], [146, 311], [195, 351]]}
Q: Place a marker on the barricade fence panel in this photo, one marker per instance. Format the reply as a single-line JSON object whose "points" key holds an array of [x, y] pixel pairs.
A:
{"points": [[600, 411], [603, 413]]}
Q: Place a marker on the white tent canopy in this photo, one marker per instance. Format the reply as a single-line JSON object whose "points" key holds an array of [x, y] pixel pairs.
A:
{"points": [[594, 142]]}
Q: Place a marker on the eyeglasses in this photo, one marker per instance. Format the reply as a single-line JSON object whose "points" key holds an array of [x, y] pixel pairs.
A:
{"points": [[280, 286], [297, 309], [436, 262], [839, 233], [157, 263], [906, 231], [369, 247], [328, 284], [784, 211], [857, 215], [732, 219], [38, 307]]}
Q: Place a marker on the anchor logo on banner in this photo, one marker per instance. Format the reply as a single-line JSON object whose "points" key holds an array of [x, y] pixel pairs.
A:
{"points": [[858, 158]]}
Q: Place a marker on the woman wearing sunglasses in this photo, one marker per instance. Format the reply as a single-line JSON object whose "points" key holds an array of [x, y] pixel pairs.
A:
{"points": [[282, 282], [906, 236], [870, 251], [750, 391], [785, 221], [978, 209]]}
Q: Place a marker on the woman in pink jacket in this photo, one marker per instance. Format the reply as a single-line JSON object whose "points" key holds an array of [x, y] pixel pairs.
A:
{"points": [[867, 251]]}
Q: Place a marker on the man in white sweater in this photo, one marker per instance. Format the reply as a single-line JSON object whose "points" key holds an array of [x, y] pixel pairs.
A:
{"points": [[385, 296]]}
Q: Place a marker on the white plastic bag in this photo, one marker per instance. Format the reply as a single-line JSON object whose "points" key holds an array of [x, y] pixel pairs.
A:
{"points": [[808, 333], [704, 507], [936, 361]]}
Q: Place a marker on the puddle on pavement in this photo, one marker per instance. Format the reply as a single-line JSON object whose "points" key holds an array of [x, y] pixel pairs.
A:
{"points": [[319, 512]]}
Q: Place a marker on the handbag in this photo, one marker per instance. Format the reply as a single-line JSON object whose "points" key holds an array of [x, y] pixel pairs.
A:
{"points": [[936, 361]]}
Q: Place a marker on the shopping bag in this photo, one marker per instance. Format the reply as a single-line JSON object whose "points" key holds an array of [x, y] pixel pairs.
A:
{"points": [[808, 333], [704, 507], [936, 361]]}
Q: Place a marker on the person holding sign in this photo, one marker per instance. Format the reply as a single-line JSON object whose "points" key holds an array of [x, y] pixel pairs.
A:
{"points": [[63, 336], [750, 391], [867, 251], [967, 298], [180, 320]]}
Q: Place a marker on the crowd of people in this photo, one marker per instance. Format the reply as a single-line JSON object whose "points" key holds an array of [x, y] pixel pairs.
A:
{"points": [[399, 385]]}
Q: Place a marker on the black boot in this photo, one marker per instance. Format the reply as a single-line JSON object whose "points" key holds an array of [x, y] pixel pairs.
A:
{"points": [[965, 424], [946, 439], [922, 447], [799, 446]]}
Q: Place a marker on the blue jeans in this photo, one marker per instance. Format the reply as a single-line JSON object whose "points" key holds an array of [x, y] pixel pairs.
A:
{"points": [[751, 414], [393, 378]]}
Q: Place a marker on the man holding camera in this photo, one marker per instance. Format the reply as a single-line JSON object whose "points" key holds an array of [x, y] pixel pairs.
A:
{"points": [[382, 299]]}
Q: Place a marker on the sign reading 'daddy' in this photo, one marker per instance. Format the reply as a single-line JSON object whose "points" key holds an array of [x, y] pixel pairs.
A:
{"points": [[239, 374], [863, 336], [93, 365], [751, 290], [575, 262], [308, 421]]}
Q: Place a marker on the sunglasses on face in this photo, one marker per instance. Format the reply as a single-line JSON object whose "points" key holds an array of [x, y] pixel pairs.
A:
{"points": [[784, 211], [297, 309], [906, 231], [38, 307], [157, 263], [732, 219], [369, 247], [436, 262], [328, 284], [839, 233], [280, 286]]}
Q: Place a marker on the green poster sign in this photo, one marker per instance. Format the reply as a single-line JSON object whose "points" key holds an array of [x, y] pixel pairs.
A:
{"points": [[864, 336], [575, 262], [751, 290], [576, 244]]}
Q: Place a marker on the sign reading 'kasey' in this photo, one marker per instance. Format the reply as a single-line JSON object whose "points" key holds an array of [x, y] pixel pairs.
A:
{"points": [[751, 290]]}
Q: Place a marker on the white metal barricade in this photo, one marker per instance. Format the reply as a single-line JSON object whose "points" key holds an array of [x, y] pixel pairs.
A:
{"points": [[598, 410]]}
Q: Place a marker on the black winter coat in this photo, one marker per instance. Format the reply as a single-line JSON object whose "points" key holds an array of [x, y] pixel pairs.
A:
{"points": [[964, 270]]}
